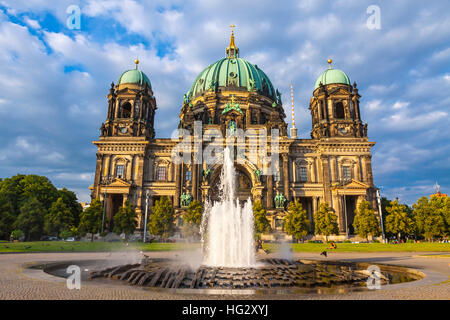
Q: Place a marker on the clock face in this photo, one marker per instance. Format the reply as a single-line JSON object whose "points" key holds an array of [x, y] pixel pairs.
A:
{"points": [[123, 130]]}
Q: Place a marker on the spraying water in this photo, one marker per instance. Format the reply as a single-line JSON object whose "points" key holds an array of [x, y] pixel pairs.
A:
{"points": [[227, 228]]}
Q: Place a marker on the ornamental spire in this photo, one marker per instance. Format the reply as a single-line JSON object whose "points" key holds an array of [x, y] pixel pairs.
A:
{"points": [[232, 50], [294, 133], [330, 62], [136, 62]]}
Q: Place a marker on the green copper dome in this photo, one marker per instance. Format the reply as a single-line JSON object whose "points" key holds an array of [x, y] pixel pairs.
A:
{"points": [[134, 76], [232, 72], [332, 76]]}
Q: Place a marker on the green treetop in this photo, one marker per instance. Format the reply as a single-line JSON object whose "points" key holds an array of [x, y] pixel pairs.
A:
{"points": [[58, 219], [325, 221], [162, 218], [296, 220], [366, 222], [31, 219], [399, 220], [192, 219], [125, 221], [261, 223], [429, 217], [91, 219]]}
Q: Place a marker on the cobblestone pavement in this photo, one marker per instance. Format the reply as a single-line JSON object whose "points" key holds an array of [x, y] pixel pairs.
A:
{"points": [[18, 282]]}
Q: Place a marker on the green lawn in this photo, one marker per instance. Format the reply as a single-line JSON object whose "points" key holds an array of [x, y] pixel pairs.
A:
{"points": [[368, 247], [61, 246]]}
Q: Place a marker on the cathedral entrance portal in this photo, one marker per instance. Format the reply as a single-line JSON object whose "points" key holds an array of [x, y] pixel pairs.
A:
{"points": [[243, 185], [115, 201], [350, 207]]}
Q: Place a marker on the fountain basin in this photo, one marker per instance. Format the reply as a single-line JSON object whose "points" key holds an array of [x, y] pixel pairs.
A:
{"points": [[272, 274]]}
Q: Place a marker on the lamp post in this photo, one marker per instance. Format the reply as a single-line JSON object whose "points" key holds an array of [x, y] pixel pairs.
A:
{"points": [[104, 210], [381, 215], [147, 194]]}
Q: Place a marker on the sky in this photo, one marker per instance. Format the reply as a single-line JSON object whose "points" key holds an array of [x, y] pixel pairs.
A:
{"points": [[54, 79]]}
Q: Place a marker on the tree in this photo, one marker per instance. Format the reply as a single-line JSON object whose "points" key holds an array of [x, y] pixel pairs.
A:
{"points": [[325, 221], [429, 217], [7, 217], [31, 219], [39, 187], [192, 219], [399, 220], [125, 221], [58, 219], [297, 222], [91, 219], [262, 224], [70, 200], [17, 234], [162, 218], [366, 222]]}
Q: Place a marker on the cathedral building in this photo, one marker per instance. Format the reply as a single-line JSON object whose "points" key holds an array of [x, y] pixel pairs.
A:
{"points": [[333, 166]]}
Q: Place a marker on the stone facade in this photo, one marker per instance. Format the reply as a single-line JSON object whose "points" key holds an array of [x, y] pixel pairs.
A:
{"points": [[333, 166]]}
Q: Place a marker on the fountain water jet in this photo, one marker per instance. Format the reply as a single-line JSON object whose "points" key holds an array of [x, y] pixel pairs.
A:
{"points": [[227, 227]]}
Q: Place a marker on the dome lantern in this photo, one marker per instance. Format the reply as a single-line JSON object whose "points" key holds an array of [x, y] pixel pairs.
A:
{"points": [[232, 50]]}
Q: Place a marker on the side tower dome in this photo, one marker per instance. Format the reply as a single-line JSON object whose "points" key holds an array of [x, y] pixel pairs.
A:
{"points": [[335, 107], [131, 106], [134, 76]]}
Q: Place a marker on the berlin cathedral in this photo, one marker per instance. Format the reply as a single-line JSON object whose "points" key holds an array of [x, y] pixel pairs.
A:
{"points": [[334, 166]]}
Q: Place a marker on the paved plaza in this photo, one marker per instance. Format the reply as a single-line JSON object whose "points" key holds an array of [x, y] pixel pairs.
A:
{"points": [[19, 282]]}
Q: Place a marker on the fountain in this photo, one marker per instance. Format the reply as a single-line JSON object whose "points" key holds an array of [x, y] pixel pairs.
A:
{"points": [[229, 260], [227, 228]]}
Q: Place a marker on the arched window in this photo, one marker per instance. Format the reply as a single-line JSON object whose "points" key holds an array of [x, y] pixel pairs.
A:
{"points": [[126, 110], [339, 111]]}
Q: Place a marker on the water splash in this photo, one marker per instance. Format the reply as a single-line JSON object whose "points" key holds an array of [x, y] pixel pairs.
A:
{"points": [[227, 228]]}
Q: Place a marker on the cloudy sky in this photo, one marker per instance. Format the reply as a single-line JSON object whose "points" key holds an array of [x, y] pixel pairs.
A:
{"points": [[54, 80]]}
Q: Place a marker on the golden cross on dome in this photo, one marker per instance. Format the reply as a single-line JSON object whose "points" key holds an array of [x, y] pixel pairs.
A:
{"points": [[232, 99], [232, 28]]}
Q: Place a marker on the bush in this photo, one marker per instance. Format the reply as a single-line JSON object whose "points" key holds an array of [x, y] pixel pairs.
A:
{"points": [[347, 241], [17, 234], [376, 241], [65, 234]]}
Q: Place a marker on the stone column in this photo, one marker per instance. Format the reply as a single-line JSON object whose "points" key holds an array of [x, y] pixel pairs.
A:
{"points": [[98, 175], [369, 170], [269, 191], [106, 162], [364, 169], [286, 175], [139, 177], [334, 176], [326, 179], [194, 180], [176, 201], [313, 170], [358, 169], [339, 209], [128, 170]]}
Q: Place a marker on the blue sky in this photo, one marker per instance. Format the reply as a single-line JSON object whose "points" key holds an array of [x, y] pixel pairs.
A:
{"points": [[54, 81]]}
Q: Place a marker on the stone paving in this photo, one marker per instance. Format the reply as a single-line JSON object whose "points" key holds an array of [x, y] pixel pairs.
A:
{"points": [[18, 282]]}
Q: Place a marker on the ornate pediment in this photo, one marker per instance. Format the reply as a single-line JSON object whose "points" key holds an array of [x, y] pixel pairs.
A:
{"points": [[352, 184], [117, 182]]}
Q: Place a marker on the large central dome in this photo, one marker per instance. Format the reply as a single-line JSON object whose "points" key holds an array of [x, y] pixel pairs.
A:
{"points": [[230, 73]]}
